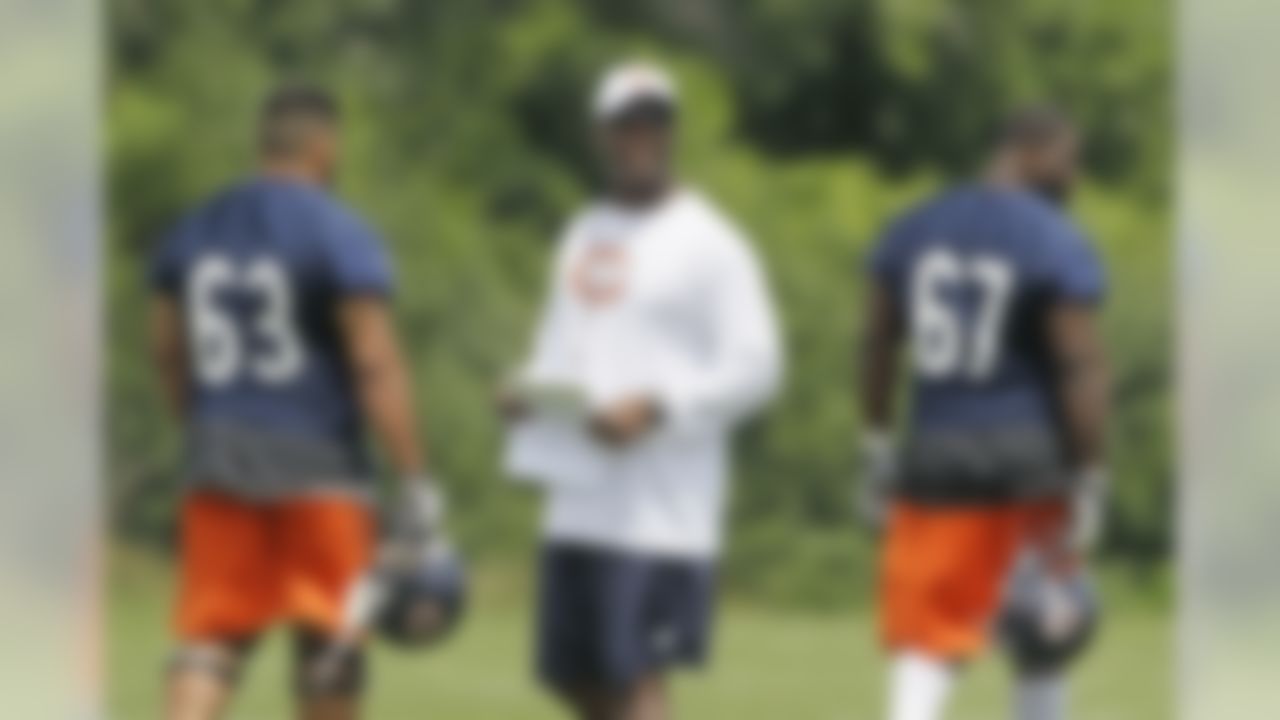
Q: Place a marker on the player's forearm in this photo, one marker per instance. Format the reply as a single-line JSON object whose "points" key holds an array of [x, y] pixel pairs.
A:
{"points": [[386, 394], [168, 354], [878, 373], [171, 367], [1085, 392], [1083, 382], [876, 382], [173, 383], [382, 382]]}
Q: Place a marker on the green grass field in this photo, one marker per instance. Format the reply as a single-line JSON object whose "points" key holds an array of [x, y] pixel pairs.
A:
{"points": [[769, 665]]}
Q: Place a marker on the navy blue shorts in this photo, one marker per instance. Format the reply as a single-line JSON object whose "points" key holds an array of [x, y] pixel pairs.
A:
{"points": [[607, 618]]}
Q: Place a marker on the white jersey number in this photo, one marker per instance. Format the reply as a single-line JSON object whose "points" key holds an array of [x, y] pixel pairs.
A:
{"points": [[218, 344], [942, 345]]}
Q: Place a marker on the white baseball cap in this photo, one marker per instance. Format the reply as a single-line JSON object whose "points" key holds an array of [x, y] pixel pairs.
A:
{"points": [[628, 84]]}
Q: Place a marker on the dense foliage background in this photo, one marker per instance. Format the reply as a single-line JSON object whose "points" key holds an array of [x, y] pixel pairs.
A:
{"points": [[811, 121]]}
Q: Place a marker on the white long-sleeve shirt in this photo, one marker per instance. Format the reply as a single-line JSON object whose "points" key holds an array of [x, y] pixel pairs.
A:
{"points": [[668, 302]]}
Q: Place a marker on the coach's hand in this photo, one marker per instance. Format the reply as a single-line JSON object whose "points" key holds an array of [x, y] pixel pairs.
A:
{"points": [[510, 405], [1088, 510], [879, 466], [625, 421]]}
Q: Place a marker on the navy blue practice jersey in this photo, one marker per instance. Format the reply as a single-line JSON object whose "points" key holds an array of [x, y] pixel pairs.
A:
{"points": [[259, 272], [973, 272]]}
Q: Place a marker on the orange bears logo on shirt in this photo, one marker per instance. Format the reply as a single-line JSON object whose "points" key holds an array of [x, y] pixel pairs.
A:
{"points": [[599, 274]]}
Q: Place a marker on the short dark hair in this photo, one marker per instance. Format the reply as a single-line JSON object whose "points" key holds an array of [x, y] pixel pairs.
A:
{"points": [[289, 112], [1033, 126]]}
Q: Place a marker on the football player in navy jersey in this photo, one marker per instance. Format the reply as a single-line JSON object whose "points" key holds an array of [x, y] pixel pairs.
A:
{"points": [[274, 341], [995, 294]]}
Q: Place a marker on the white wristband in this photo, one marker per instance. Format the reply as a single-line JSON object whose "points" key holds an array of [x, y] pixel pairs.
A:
{"points": [[424, 495], [877, 442], [1092, 479]]}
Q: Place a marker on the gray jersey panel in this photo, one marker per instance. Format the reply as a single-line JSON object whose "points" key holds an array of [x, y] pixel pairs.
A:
{"points": [[982, 465], [263, 464]]}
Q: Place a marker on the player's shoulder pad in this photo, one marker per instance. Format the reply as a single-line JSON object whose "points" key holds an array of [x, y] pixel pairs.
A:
{"points": [[338, 222], [906, 221], [903, 229], [185, 227], [1053, 224], [919, 216], [340, 213], [1063, 250]]}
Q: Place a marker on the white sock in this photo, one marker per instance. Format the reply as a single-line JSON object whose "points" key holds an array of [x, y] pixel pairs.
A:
{"points": [[919, 687], [1040, 697]]}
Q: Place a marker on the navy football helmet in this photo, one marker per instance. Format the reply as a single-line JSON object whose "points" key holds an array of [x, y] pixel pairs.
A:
{"points": [[1048, 617], [424, 597]]}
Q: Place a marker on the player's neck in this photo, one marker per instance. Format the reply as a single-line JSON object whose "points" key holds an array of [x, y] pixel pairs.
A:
{"points": [[288, 171], [1003, 173]]}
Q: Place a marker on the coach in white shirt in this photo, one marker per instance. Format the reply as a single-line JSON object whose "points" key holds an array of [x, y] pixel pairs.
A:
{"points": [[657, 339]]}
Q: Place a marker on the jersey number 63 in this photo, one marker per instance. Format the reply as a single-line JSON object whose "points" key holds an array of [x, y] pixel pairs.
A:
{"points": [[221, 345]]}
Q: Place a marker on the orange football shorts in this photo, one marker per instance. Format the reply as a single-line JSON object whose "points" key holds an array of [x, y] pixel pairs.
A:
{"points": [[247, 565], [943, 570]]}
